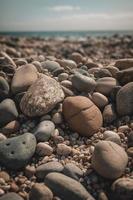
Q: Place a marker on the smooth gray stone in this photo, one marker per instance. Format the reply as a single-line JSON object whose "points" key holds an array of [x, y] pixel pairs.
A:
{"points": [[16, 152], [8, 111], [49, 167], [11, 196], [44, 131], [50, 65], [83, 83], [72, 171], [66, 188], [4, 88]]}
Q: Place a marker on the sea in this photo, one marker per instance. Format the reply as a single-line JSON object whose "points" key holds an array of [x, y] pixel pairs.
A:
{"points": [[67, 34]]}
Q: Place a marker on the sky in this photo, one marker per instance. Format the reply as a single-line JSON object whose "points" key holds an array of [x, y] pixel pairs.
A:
{"points": [[65, 15]]}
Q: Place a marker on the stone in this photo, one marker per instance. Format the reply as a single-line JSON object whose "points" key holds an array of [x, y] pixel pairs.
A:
{"points": [[130, 139], [43, 149], [42, 96], [109, 114], [8, 111], [4, 88], [102, 73], [63, 150], [125, 76], [104, 158], [11, 127], [67, 63], [47, 168], [39, 191], [24, 77], [16, 152], [63, 76], [82, 116], [30, 171], [83, 83], [5, 176], [108, 134], [11, 196], [72, 171], [99, 100], [50, 65], [105, 85], [122, 189], [77, 57], [124, 100], [57, 118], [66, 188], [125, 63], [44, 130], [2, 137], [130, 151]]}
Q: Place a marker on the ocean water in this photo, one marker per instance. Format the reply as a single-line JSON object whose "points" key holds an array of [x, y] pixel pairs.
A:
{"points": [[74, 34]]}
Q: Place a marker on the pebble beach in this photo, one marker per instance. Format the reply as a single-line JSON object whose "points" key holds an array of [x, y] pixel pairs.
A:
{"points": [[66, 118]]}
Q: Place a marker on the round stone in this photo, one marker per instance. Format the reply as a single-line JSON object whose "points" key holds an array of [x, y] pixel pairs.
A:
{"points": [[63, 77], [11, 127], [105, 85], [2, 137], [72, 171], [109, 114], [122, 189], [83, 83], [50, 65], [63, 150], [16, 152], [99, 100], [47, 168], [44, 130], [104, 159], [77, 57], [124, 100], [39, 191], [57, 118], [130, 151], [23, 78], [43, 149], [4, 88], [125, 63], [8, 112], [11, 196], [125, 76], [82, 116], [41, 97], [71, 188]]}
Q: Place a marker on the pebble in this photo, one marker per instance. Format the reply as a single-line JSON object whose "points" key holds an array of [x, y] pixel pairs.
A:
{"points": [[71, 188], [24, 77], [40, 192], [50, 65], [122, 189], [130, 151], [43, 149], [41, 97], [63, 150], [2, 137], [30, 171], [8, 111], [44, 131], [11, 196], [125, 63], [83, 83], [104, 159], [109, 114], [11, 127], [16, 152], [72, 171], [57, 118], [82, 116], [47, 168], [63, 77], [124, 100], [99, 100], [5, 176], [4, 88]]}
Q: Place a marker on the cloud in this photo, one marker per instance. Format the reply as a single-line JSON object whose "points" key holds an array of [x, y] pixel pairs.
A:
{"points": [[62, 8]]}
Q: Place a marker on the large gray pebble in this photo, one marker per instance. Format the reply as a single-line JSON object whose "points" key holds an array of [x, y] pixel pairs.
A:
{"points": [[72, 171], [50, 65], [66, 188], [8, 111], [83, 83], [49, 167], [4, 88], [44, 131], [11, 196], [17, 151], [109, 159], [124, 100]]}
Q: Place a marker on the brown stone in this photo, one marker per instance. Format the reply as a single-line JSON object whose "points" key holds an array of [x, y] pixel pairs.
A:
{"points": [[82, 115]]}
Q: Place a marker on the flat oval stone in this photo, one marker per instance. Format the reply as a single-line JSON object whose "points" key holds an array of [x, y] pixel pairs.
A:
{"points": [[23, 78], [49, 167], [44, 131], [72, 171], [104, 158], [122, 189], [42, 96], [124, 100], [82, 116], [125, 63], [66, 188], [105, 85], [109, 114], [99, 99], [8, 111], [83, 83], [50, 65], [39, 191], [16, 152], [11, 196], [125, 76]]}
